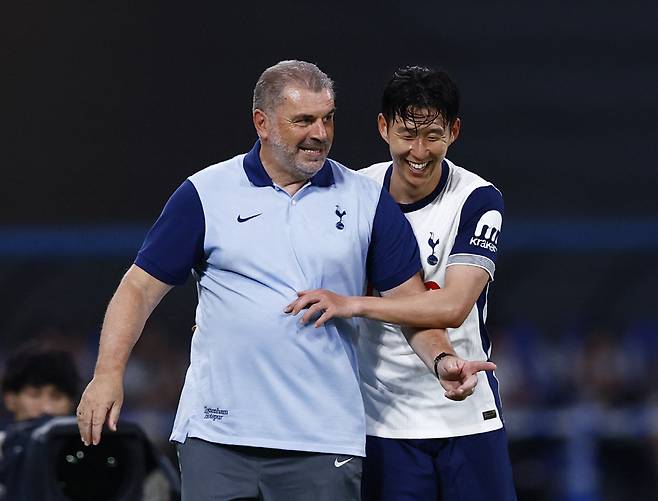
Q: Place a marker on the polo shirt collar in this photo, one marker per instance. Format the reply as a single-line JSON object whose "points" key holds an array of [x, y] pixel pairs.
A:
{"points": [[258, 176]]}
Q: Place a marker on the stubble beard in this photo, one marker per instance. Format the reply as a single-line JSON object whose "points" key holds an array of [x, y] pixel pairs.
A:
{"points": [[287, 158]]}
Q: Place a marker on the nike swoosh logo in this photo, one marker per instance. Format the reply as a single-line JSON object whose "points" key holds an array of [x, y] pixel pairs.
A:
{"points": [[338, 464], [242, 220]]}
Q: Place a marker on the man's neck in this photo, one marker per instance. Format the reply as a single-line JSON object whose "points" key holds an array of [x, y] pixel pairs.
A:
{"points": [[404, 192], [280, 177]]}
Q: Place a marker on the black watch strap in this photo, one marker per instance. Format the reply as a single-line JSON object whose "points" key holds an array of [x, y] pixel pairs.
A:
{"points": [[437, 359]]}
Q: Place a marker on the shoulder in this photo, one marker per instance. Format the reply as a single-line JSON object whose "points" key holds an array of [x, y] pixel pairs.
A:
{"points": [[465, 181], [346, 177], [376, 171], [224, 170], [481, 202]]}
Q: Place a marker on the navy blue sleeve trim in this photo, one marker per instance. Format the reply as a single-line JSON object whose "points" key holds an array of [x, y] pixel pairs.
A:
{"points": [[393, 256], [480, 224], [174, 245]]}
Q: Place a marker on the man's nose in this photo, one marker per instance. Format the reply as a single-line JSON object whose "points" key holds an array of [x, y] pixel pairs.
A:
{"points": [[319, 130], [418, 148]]}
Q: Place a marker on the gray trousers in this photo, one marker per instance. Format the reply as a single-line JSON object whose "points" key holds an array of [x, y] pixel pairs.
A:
{"points": [[219, 472]]}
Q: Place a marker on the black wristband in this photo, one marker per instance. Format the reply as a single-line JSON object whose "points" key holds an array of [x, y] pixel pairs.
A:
{"points": [[437, 359]]}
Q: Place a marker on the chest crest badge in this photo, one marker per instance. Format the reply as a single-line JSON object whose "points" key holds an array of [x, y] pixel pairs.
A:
{"points": [[432, 260], [340, 213]]}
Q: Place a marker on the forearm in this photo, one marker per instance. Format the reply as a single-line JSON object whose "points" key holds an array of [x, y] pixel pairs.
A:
{"points": [[435, 309], [124, 321], [428, 344]]}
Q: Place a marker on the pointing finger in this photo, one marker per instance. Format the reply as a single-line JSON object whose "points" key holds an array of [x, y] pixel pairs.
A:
{"points": [[482, 366]]}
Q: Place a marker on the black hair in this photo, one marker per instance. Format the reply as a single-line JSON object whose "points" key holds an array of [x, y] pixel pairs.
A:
{"points": [[415, 88], [38, 366]]}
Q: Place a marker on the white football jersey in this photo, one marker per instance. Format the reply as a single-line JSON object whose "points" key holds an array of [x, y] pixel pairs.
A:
{"points": [[459, 223]]}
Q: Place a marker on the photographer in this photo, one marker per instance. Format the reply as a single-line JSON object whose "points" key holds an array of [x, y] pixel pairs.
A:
{"points": [[38, 383], [40, 456]]}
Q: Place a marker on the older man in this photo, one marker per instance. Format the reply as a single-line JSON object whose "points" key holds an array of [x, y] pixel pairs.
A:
{"points": [[270, 408]]}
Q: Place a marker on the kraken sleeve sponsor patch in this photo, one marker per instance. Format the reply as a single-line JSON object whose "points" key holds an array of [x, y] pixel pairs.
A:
{"points": [[480, 224], [487, 231]]}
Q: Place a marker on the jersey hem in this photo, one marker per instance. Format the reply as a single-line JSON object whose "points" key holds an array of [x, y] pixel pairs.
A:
{"points": [[405, 433], [178, 436]]}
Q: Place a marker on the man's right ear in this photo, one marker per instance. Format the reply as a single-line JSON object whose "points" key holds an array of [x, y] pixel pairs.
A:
{"points": [[260, 123], [382, 126]]}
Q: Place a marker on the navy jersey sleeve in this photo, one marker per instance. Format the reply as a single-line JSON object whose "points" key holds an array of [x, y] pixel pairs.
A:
{"points": [[393, 256], [480, 223], [174, 245]]}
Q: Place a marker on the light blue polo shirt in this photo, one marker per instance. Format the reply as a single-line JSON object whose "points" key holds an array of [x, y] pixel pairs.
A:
{"points": [[256, 376]]}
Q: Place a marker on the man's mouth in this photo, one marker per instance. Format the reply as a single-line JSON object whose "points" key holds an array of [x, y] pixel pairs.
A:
{"points": [[418, 167], [316, 152]]}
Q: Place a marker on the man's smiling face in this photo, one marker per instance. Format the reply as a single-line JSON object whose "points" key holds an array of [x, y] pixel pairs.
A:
{"points": [[301, 131], [418, 146]]}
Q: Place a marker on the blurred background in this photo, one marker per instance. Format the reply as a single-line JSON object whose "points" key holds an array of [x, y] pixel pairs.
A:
{"points": [[107, 108]]}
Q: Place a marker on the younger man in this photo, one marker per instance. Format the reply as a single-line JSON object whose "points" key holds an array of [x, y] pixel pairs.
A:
{"points": [[421, 445]]}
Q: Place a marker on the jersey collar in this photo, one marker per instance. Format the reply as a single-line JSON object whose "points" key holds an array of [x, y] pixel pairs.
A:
{"points": [[423, 201], [258, 176]]}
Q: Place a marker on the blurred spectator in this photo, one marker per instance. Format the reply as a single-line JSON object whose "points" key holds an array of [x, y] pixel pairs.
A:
{"points": [[39, 381], [609, 375]]}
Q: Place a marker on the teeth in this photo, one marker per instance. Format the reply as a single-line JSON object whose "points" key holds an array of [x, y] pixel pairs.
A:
{"points": [[416, 166]]}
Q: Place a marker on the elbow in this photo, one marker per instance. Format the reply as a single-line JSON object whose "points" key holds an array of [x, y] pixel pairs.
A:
{"points": [[454, 317]]}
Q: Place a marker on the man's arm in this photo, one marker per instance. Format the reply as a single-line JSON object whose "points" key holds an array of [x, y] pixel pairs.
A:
{"points": [[136, 297], [470, 267], [443, 308], [457, 376]]}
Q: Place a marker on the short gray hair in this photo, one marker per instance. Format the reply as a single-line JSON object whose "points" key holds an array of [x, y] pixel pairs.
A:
{"points": [[268, 92]]}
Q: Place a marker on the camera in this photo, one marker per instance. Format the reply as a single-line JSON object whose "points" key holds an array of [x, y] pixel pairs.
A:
{"points": [[51, 464]]}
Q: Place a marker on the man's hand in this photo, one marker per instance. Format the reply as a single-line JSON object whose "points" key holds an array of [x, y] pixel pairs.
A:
{"points": [[101, 401], [459, 377], [323, 304]]}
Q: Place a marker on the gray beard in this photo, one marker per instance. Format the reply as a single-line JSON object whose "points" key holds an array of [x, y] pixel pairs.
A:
{"points": [[286, 157]]}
